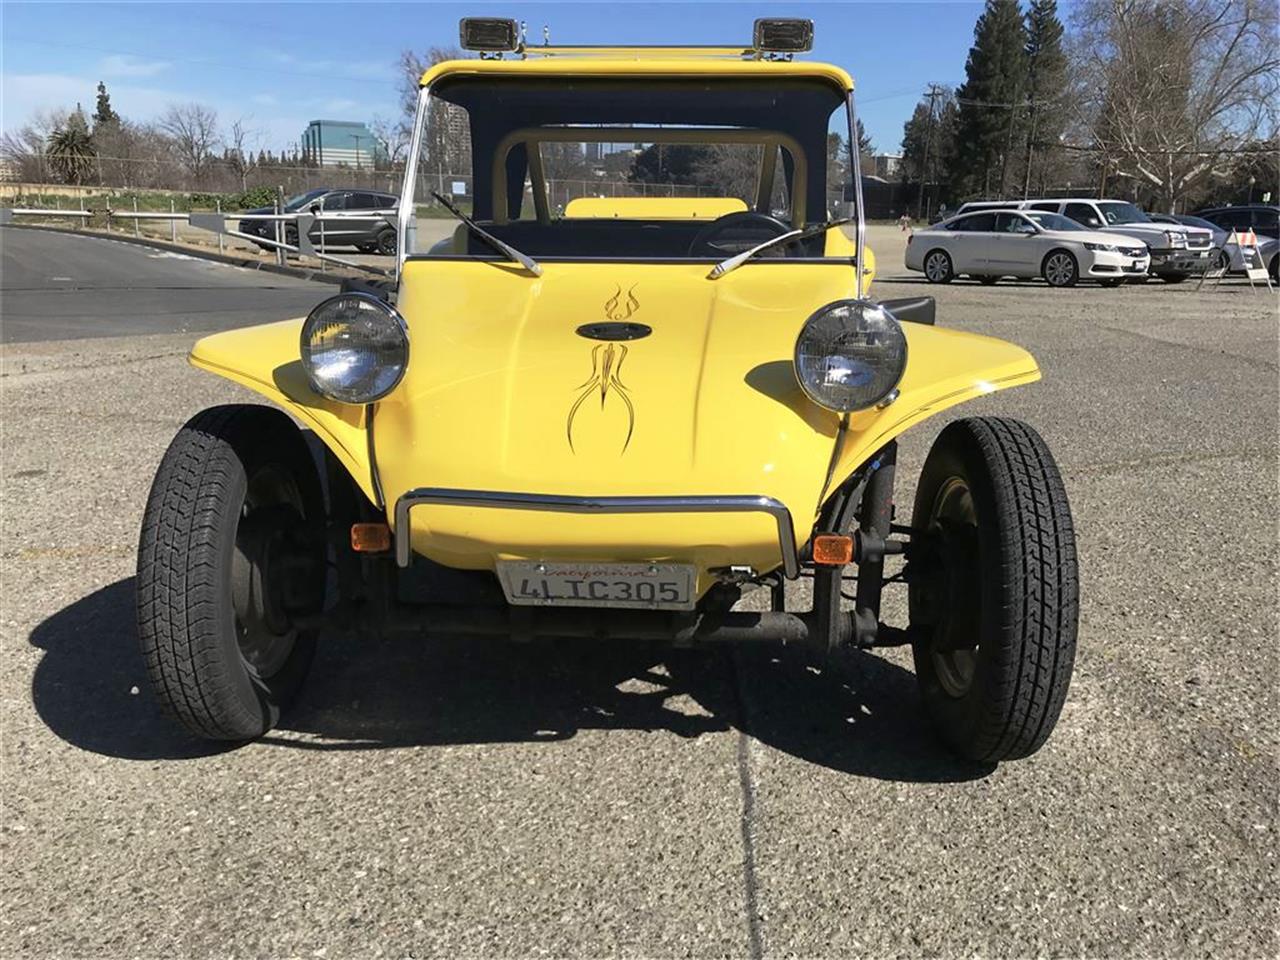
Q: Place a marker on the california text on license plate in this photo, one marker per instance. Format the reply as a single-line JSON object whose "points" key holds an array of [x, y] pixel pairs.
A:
{"points": [[647, 586]]}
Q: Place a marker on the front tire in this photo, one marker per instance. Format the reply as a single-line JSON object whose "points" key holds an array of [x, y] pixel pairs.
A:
{"points": [[1060, 269], [938, 268], [994, 592], [387, 243], [231, 551]]}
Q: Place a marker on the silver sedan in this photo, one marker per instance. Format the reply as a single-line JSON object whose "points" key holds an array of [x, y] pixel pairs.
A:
{"points": [[991, 244]]}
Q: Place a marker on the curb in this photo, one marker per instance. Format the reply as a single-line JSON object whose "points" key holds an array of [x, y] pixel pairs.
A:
{"points": [[301, 273]]}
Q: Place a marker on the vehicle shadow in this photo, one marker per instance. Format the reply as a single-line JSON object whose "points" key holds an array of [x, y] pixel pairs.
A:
{"points": [[863, 718]]}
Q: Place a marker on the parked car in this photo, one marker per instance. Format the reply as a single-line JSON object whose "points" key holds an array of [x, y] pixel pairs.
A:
{"points": [[990, 244], [1230, 260], [609, 424], [1176, 252], [373, 234], [1217, 236], [1262, 219]]}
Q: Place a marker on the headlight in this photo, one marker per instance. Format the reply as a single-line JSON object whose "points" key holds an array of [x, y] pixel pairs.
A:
{"points": [[354, 348], [1107, 247], [850, 355], [1176, 239]]}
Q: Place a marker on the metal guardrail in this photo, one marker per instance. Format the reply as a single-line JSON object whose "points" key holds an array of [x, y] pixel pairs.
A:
{"points": [[216, 223]]}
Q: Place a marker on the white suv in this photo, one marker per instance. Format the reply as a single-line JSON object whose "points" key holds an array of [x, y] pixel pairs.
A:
{"points": [[1177, 252]]}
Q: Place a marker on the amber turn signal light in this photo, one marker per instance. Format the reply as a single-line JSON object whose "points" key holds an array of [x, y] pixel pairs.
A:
{"points": [[370, 537], [832, 549]]}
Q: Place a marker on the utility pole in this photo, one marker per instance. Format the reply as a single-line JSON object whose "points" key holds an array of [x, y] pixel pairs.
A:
{"points": [[1031, 140], [933, 92]]}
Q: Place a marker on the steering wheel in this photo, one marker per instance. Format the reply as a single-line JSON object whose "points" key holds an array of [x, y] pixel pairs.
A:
{"points": [[735, 232]]}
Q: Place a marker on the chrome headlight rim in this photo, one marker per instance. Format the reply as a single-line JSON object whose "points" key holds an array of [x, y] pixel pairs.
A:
{"points": [[890, 386], [316, 316]]}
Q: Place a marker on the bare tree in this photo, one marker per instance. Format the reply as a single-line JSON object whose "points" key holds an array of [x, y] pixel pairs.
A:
{"points": [[447, 147], [24, 148], [239, 149], [394, 136], [1172, 87], [193, 129]]}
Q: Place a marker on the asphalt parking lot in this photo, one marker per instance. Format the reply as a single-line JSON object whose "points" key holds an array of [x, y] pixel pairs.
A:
{"points": [[447, 798]]}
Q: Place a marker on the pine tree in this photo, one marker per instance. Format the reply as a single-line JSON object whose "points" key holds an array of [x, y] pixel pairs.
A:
{"points": [[865, 147], [1046, 88], [991, 99], [103, 114]]}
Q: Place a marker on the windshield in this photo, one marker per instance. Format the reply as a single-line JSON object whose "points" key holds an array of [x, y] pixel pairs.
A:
{"points": [[302, 199], [1053, 221], [1118, 212], [589, 168]]}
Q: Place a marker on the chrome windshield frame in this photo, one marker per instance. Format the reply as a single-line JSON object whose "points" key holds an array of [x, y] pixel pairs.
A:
{"points": [[407, 223], [855, 171]]}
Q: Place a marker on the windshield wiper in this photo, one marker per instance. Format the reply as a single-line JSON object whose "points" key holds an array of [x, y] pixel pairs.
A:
{"points": [[738, 259], [511, 252]]}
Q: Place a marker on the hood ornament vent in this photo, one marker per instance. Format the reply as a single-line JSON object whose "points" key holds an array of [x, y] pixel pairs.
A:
{"points": [[610, 330]]}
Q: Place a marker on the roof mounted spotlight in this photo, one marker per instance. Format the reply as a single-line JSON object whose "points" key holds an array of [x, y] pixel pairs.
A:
{"points": [[489, 34], [781, 35]]}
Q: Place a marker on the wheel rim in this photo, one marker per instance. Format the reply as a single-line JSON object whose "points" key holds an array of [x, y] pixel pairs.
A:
{"points": [[1060, 269], [954, 651], [263, 558], [935, 268], [387, 244]]}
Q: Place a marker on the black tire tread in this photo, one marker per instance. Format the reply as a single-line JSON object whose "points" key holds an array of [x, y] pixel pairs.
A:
{"points": [[180, 602], [1037, 579]]}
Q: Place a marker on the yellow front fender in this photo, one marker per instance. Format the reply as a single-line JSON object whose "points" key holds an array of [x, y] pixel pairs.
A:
{"points": [[265, 359], [944, 368]]}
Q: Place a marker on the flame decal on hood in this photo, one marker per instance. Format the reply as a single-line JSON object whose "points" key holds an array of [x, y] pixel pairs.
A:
{"points": [[611, 305], [606, 365], [606, 370]]}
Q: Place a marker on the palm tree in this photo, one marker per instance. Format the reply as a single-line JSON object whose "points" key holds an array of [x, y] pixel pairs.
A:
{"points": [[70, 152]]}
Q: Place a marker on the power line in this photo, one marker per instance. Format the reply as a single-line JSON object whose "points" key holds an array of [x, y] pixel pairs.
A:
{"points": [[935, 90]]}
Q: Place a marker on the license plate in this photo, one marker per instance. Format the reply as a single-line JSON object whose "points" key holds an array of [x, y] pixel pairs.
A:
{"points": [[646, 586]]}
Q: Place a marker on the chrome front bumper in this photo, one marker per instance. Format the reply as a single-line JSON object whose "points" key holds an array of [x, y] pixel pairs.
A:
{"points": [[603, 505]]}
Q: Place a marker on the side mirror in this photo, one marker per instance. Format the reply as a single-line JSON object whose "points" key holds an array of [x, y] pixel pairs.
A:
{"points": [[315, 207], [912, 309]]}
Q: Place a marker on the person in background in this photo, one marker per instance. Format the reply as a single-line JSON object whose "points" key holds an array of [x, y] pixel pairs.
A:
{"points": [[904, 222]]}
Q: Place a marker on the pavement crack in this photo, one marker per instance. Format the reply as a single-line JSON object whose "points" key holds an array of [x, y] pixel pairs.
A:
{"points": [[1170, 460], [747, 786], [88, 365], [1179, 345]]}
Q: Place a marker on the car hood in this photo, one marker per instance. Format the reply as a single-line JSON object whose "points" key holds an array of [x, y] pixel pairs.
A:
{"points": [[1154, 233], [513, 385], [509, 389], [1094, 236]]}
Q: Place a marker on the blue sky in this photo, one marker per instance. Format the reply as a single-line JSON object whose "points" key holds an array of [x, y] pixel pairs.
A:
{"points": [[280, 65]]}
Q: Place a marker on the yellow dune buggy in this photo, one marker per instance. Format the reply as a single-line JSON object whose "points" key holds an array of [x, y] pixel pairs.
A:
{"points": [[627, 369]]}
